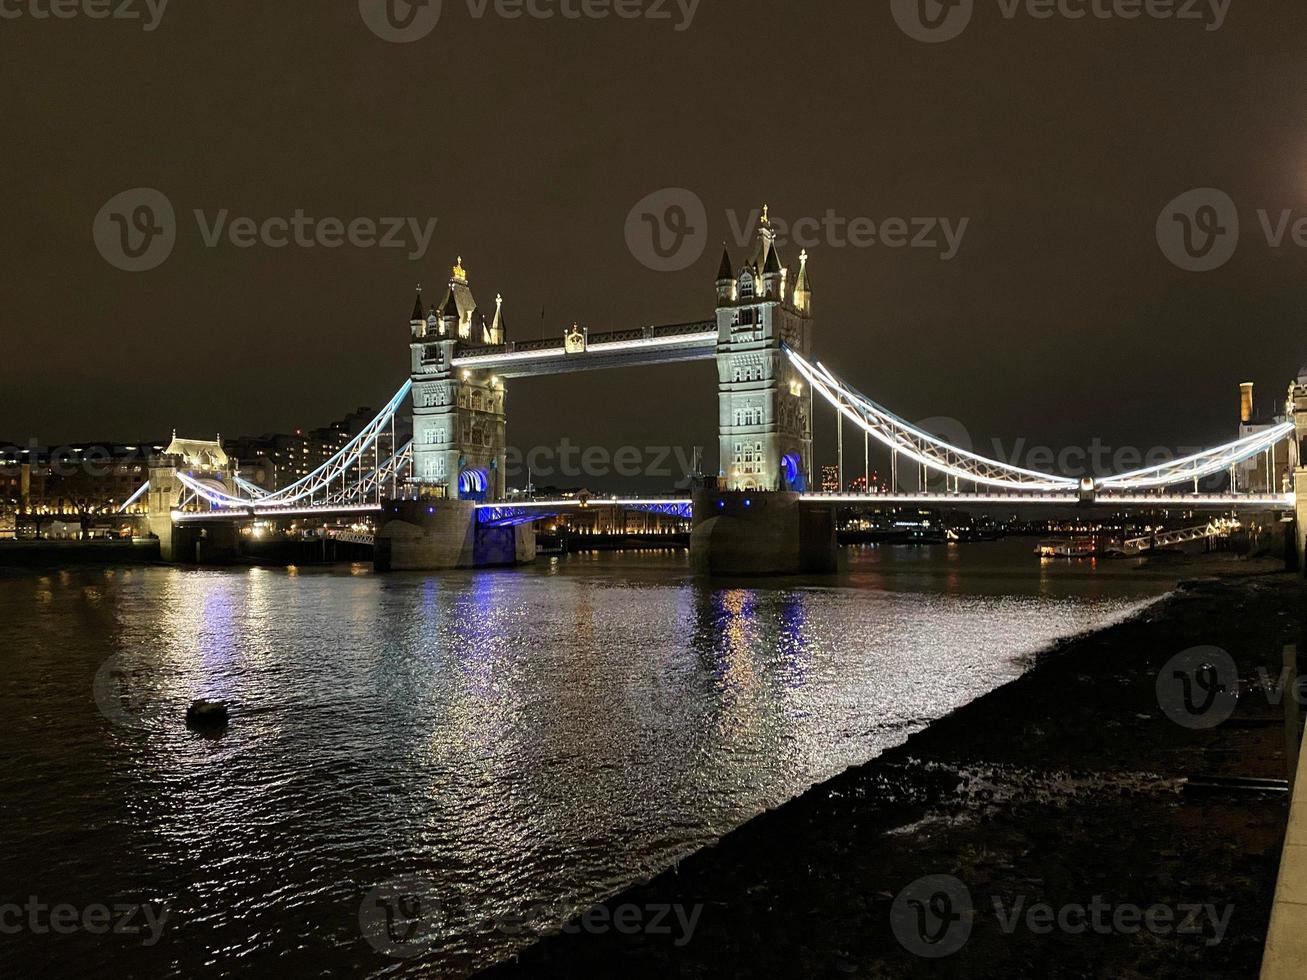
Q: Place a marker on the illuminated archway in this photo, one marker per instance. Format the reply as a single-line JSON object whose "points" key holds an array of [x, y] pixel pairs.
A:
{"points": [[473, 484]]}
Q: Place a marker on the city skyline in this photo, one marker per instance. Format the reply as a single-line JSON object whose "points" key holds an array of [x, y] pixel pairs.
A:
{"points": [[308, 332]]}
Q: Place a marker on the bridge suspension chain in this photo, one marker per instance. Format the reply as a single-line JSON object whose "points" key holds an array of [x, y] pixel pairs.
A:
{"points": [[962, 464]]}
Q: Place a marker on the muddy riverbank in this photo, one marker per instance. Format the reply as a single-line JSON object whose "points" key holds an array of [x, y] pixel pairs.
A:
{"points": [[1070, 787]]}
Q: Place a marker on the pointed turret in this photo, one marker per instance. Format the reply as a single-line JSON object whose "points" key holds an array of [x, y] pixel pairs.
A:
{"points": [[773, 275], [725, 271], [417, 321], [498, 335], [460, 304], [449, 318], [803, 287], [727, 283]]}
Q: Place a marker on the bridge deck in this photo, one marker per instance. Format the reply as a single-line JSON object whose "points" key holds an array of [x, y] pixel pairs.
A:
{"points": [[623, 348]]}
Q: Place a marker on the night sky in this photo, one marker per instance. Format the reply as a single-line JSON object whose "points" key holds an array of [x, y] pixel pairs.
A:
{"points": [[1059, 320]]}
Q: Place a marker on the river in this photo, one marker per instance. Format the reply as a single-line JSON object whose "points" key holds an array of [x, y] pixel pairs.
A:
{"points": [[525, 741]]}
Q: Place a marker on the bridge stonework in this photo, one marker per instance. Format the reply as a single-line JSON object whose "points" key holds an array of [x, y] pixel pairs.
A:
{"points": [[765, 409], [459, 415], [1297, 457]]}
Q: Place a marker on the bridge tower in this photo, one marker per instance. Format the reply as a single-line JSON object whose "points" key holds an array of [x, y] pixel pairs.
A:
{"points": [[765, 409], [207, 462], [459, 416], [1297, 407], [756, 520], [460, 445]]}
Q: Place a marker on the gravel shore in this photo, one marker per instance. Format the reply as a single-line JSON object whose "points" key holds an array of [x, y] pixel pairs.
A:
{"points": [[1070, 787]]}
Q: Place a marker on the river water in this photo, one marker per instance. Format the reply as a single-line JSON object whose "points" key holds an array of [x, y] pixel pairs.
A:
{"points": [[525, 742]]}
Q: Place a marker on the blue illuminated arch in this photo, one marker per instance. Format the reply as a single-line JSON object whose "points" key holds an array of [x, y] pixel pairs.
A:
{"points": [[792, 474], [473, 484]]}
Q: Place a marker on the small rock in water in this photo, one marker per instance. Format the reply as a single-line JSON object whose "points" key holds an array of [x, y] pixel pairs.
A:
{"points": [[207, 715]]}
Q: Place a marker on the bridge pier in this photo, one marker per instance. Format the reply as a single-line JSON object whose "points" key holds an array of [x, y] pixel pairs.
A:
{"points": [[762, 533], [431, 535]]}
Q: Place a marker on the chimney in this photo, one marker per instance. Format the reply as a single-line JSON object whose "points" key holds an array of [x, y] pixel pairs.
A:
{"points": [[1246, 402]]}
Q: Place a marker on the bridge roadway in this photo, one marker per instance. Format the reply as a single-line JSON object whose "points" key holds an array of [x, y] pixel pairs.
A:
{"points": [[679, 506], [622, 348]]}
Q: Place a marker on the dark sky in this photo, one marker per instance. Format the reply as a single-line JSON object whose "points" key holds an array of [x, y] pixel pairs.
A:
{"points": [[1059, 320]]}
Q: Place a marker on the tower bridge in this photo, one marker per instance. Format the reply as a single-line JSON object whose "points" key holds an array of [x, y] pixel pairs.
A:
{"points": [[441, 500]]}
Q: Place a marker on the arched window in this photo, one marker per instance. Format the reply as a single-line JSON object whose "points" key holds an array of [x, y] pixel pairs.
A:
{"points": [[746, 286]]}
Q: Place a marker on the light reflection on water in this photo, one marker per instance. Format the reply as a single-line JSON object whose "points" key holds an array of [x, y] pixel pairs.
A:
{"points": [[526, 738]]}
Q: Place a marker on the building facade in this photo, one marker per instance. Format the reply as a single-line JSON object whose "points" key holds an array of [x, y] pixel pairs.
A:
{"points": [[460, 438], [765, 407], [1271, 471]]}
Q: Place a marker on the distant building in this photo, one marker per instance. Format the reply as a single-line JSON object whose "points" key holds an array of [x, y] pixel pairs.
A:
{"points": [[90, 482], [830, 479], [278, 459], [1268, 472]]}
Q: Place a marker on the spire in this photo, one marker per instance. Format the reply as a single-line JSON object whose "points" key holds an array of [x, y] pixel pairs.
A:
{"points": [[725, 271], [497, 327], [460, 274], [451, 307], [417, 307], [803, 286], [773, 266]]}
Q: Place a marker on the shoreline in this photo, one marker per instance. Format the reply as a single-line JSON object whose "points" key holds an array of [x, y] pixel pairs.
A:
{"points": [[1066, 784]]}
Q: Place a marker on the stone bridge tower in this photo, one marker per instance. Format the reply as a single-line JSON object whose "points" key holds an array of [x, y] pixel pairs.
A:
{"points": [[1297, 407], [459, 415], [765, 408]]}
